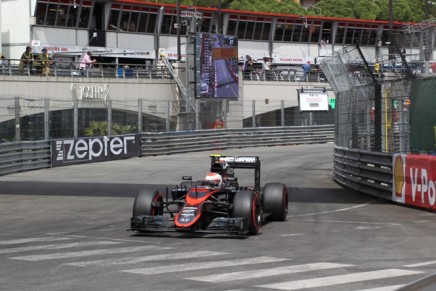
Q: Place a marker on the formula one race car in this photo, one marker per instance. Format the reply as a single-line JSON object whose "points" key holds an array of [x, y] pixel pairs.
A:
{"points": [[216, 204]]}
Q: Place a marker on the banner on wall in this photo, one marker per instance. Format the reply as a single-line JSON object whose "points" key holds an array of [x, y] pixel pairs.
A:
{"points": [[414, 180], [94, 149], [313, 101]]}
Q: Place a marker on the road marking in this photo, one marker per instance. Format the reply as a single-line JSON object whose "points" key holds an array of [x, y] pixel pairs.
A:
{"points": [[421, 221], [421, 264], [32, 240], [57, 246], [135, 260], [215, 278], [386, 288], [333, 211], [202, 265], [65, 255], [339, 279], [353, 222]]}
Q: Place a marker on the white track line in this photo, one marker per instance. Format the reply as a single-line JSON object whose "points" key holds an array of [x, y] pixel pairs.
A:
{"points": [[32, 240], [135, 260], [65, 255], [215, 278], [421, 264], [339, 279], [57, 246], [386, 288], [333, 211], [202, 265]]}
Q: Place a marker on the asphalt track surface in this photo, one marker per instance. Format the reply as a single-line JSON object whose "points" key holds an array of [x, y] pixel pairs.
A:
{"points": [[65, 229]]}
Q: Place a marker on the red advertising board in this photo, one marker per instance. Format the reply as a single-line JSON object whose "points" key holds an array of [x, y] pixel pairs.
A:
{"points": [[414, 180]]}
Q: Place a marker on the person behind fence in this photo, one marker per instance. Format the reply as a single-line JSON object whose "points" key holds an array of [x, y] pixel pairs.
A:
{"points": [[2, 61], [43, 62], [26, 60], [266, 67], [86, 63], [306, 69], [247, 67]]}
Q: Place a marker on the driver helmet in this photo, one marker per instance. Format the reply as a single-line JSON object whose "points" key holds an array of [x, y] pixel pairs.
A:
{"points": [[214, 178]]}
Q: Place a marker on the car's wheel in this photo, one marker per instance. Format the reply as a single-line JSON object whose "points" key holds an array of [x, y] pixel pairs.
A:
{"points": [[275, 201], [246, 204], [148, 203]]}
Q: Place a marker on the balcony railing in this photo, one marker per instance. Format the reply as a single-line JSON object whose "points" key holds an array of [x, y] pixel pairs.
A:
{"points": [[12, 67]]}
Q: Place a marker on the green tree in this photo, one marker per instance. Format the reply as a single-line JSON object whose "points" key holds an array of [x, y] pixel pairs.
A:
{"points": [[96, 128], [363, 9], [99, 128], [282, 7], [403, 10]]}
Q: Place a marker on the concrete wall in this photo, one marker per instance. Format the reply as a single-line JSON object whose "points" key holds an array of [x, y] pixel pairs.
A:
{"points": [[124, 94]]}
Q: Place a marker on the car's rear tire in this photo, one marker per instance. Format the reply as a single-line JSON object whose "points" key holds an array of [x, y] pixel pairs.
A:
{"points": [[275, 201], [246, 204], [148, 203]]}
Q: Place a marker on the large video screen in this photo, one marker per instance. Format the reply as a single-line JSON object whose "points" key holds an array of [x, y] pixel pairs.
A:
{"points": [[217, 66]]}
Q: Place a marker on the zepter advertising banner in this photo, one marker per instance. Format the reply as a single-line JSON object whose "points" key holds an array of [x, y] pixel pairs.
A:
{"points": [[414, 180], [94, 149]]}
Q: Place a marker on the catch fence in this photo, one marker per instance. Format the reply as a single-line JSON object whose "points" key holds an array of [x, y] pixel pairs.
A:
{"points": [[28, 119]]}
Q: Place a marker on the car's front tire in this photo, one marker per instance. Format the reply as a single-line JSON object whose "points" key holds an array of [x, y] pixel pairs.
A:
{"points": [[246, 204], [148, 203]]}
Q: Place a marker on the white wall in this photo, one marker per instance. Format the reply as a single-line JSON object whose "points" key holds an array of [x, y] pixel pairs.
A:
{"points": [[15, 27]]}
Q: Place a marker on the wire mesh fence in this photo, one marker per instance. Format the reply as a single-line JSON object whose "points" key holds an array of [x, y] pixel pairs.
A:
{"points": [[355, 85], [36, 119]]}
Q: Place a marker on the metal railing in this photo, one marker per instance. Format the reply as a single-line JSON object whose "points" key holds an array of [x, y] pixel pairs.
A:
{"points": [[11, 67], [180, 142], [284, 74], [24, 156], [364, 171]]}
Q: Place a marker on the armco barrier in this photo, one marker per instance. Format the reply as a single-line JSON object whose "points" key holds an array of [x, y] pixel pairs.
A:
{"points": [[24, 156], [364, 171], [203, 140]]}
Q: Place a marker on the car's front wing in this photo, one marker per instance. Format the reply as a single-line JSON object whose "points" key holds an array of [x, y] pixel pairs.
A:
{"points": [[158, 223]]}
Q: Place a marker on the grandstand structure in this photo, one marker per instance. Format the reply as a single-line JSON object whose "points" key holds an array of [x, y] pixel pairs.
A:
{"points": [[129, 38], [132, 31]]}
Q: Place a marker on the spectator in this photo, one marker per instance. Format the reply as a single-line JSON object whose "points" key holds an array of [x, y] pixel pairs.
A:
{"points": [[247, 68], [26, 60], [2, 64], [306, 69], [86, 63], [266, 67], [43, 62]]}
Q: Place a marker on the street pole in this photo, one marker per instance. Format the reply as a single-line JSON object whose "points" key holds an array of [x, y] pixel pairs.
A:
{"points": [[220, 22], [179, 54], [391, 17], [427, 9]]}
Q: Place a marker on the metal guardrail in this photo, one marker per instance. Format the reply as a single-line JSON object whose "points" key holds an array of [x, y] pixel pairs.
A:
{"points": [[24, 156], [10, 67], [180, 142], [364, 171]]}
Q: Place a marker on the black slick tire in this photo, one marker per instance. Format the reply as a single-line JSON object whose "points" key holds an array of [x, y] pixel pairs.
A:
{"points": [[147, 203], [275, 201], [246, 204]]}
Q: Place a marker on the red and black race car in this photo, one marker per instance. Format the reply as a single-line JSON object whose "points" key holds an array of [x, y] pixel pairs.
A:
{"points": [[217, 204]]}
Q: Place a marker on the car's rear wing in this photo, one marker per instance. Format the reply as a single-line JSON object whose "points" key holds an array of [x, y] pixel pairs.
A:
{"points": [[241, 162]]}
